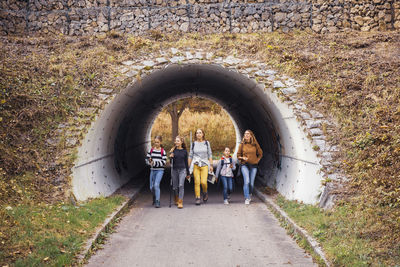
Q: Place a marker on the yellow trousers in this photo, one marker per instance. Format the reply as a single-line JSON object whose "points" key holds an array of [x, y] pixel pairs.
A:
{"points": [[200, 177]]}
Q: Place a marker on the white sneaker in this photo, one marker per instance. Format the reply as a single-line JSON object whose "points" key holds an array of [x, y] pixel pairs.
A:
{"points": [[247, 201], [226, 202]]}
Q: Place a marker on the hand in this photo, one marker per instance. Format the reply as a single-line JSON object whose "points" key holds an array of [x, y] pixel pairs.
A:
{"points": [[150, 161], [171, 155], [245, 158], [211, 168], [187, 177], [231, 166]]}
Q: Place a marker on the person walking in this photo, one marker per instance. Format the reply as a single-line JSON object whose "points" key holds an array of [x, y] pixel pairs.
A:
{"points": [[201, 163], [180, 169], [249, 154], [156, 158], [224, 171]]}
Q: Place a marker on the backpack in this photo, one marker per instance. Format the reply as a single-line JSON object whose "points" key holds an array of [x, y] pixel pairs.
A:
{"points": [[222, 161], [195, 141], [236, 172], [162, 151]]}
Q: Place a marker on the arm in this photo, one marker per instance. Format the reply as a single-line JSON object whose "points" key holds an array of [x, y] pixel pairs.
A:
{"points": [[240, 152], [233, 164], [164, 159], [148, 158], [209, 152], [186, 164], [259, 153]]}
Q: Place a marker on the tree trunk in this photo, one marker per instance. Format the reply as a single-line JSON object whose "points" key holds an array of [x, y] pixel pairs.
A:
{"points": [[175, 110], [175, 127]]}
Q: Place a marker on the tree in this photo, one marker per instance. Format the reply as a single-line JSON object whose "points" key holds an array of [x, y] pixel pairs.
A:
{"points": [[195, 104], [175, 110]]}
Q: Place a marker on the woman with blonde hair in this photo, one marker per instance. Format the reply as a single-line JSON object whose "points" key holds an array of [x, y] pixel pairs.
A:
{"points": [[249, 154], [201, 163]]}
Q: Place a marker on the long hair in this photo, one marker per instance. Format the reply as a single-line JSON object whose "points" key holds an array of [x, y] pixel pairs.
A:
{"points": [[253, 140], [204, 135], [182, 140]]}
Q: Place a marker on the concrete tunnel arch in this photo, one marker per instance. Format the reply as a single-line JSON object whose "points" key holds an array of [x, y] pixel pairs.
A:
{"points": [[112, 152]]}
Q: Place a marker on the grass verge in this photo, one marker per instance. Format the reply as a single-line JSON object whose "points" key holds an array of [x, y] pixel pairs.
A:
{"points": [[340, 232], [53, 234]]}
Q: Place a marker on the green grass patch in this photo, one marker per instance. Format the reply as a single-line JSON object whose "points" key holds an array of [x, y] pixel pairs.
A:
{"points": [[53, 234], [340, 232]]}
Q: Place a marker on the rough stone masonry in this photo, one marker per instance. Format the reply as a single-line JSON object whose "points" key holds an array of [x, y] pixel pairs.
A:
{"points": [[87, 17]]}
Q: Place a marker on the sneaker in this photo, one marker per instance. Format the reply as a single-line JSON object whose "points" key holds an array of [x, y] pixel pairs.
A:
{"points": [[205, 197], [198, 201], [157, 205], [226, 202], [247, 201]]}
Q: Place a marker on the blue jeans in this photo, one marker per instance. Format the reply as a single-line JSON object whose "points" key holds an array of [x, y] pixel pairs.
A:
{"points": [[155, 179], [249, 175], [178, 181], [227, 182]]}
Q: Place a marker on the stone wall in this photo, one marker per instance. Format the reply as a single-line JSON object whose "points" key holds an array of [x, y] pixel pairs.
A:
{"points": [[85, 17], [364, 15]]}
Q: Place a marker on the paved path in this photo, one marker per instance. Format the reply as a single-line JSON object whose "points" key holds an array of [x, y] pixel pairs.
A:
{"points": [[212, 234]]}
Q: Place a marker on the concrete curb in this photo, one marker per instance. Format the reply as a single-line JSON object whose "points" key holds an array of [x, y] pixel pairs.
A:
{"points": [[300, 231], [131, 195]]}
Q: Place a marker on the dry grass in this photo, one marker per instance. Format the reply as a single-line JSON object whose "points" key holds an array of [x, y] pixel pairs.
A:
{"points": [[352, 78], [218, 128]]}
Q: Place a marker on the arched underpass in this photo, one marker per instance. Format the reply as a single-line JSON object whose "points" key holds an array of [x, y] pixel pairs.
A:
{"points": [[113, 150]]}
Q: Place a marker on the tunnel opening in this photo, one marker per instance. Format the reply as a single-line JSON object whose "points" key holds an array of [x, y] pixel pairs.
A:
{"points": [[187, 115], [238, 96], [113, 151]]}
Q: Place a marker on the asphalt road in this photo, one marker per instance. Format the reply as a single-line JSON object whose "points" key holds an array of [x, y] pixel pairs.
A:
{"points": [[212, 234]]}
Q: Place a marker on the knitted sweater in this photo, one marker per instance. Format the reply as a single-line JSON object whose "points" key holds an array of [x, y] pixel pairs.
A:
{"points": [[180, 160], [202, 151], [254, 153], [159, 160]]}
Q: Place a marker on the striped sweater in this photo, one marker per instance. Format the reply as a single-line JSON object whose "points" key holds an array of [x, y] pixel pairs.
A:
{"points": [[158, 160]]}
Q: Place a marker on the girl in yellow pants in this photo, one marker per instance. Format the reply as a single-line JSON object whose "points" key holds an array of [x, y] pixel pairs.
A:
{"points": [[200, 162]]}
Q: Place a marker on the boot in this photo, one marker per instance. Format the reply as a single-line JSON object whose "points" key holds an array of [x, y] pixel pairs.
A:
{"points": [[197, 201], [176, 199], [205, 197], [180, 203]]}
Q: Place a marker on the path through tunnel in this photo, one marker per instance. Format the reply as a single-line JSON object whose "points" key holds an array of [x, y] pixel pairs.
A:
{"points": [[113, 151]]}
